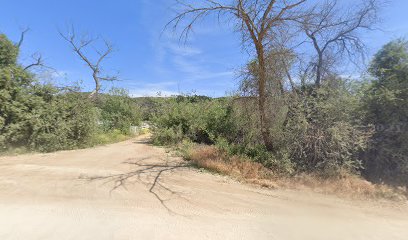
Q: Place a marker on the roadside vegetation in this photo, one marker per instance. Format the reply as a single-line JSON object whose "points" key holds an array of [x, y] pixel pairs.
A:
{"points": [[332, 154], [42, 117], [327, 142], [296, 116]]}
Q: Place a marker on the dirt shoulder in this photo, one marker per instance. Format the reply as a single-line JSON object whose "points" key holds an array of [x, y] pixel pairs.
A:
{"points": [[132, 190]]}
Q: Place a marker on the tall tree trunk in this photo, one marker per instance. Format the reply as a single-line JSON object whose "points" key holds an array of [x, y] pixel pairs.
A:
{"points": [[262, 99], [95, 92], [319, 70]]}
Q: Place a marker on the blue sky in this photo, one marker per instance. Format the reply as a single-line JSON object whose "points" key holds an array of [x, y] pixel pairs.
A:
{"points": [[149, 61]]}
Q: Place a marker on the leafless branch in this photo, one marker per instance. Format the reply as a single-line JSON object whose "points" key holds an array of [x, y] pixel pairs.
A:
{"points": [[37, 62], [334, 32], [22, 35], [79, 45]]}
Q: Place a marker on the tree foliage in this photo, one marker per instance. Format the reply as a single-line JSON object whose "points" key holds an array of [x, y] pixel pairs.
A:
{"points": [[386, 107], [8, 52]]}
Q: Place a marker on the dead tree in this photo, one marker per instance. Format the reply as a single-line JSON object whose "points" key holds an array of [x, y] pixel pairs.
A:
{"points": [[334, 32], [256, 21], [79, 45]]}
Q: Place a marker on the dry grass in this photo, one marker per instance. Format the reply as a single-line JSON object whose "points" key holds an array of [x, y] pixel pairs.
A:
{"points": [[211, 158], [345, 185]]}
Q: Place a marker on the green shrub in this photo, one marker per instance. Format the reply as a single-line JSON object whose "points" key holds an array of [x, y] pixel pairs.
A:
{"points": [[67, 121], [40, 118], [148, 106], [212, 121], [321, 133], [118, 111], [16, 103], [280, 163], [385, 106], [167, 136], [200, 120], [108, 137]]}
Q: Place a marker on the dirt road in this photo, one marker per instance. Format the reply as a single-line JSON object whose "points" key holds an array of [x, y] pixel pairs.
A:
{"points": [[132, 190]]}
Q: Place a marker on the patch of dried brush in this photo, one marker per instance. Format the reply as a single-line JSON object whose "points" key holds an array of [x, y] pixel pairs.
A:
{"points": [[344, 185]]}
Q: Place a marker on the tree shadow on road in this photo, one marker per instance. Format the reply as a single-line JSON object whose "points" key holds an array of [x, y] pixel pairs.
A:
{"points": [[150, 174]]}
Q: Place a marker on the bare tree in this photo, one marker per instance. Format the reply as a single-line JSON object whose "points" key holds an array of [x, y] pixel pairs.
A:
{"points": [[256, 21], [334, 32], [78, 45]]}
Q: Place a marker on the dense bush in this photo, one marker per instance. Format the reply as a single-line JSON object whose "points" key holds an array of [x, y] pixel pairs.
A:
{"points": [[38, 116], [313, 130], [66, 121], [198, 119], [321, 132], [148, 106], [318, 132], [17, 98], [15, 105], [213, 121], [385, 105], [118, 111], [41, 117]]}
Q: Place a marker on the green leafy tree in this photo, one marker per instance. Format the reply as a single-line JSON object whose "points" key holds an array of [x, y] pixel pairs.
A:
{"points": [[15, 103], [386, 107], [37, 116]]}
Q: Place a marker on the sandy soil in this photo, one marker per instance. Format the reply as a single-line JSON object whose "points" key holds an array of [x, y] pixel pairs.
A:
{"points": [[132, 190]]}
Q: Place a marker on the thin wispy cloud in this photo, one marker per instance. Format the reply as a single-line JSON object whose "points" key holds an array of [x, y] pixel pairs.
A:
{"points": [[180, 50], [196, 71], [191, 61]]}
